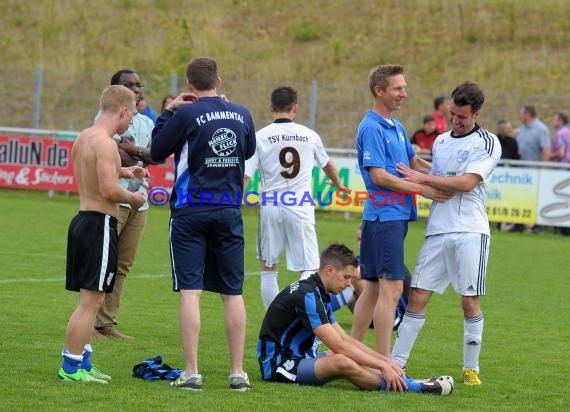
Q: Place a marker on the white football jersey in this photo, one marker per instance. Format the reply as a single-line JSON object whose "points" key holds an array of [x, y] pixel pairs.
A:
{"points": [[478, 152], [285, 156]]}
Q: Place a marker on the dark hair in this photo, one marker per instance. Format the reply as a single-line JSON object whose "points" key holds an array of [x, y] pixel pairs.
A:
{"points": [[202, 73], [502, 122], [562, 117], [428, 118], [283, 98], [438, 101], [379, 76], [530, 110], [468, 94], [116, 78], [164, 99], [339, 256]]}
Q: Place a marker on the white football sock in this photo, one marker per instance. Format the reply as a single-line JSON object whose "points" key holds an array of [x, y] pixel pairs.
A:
{"points": [[341, 299], [269, 287], [472, 338], [406, 336]]}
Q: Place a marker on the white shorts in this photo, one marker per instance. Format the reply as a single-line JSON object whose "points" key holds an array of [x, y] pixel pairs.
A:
{"points": [[459, 258], [277, 230]]}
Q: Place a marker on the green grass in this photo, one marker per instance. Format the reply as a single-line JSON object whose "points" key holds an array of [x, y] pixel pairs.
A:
{"points": [[524, 357]]}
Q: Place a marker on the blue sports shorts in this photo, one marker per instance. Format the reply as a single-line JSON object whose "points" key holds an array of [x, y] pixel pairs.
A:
{"points": [[207, 251], [382, 250]]}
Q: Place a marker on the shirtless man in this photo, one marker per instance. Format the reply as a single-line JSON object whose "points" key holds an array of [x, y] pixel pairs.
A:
{"points": [[92, 235]]}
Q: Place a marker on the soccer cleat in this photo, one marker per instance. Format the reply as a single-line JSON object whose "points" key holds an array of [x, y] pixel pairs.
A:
{"points": [[97, 374], [441, 387], [239, 382], [442, 378], [80, 376], [191, 383], [471, 377]]}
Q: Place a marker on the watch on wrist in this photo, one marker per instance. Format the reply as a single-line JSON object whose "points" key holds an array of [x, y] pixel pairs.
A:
{"points": [[139, 151]]}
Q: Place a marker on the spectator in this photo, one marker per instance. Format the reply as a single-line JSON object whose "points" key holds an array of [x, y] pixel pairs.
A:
{"points": [[92, 240], [509, 150], [533, 136], [561, 140], [534, 145], [211, 139], [423, 139], [144, 108], [166, 101], [141, 106], [509, 145], [285, 155], [561, 148], [441, 107], [133, 147], [301, 315]]}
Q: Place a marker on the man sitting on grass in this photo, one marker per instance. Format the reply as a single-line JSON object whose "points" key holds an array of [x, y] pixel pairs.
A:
{"points": [[301, 314]]}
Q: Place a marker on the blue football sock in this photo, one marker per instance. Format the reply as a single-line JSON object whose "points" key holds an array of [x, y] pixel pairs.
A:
{"points": [[413, 386], [71, 363], [87, 351]]}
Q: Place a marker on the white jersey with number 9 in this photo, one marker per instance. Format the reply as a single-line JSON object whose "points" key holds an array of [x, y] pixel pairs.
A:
{"points": [[285, 156]]}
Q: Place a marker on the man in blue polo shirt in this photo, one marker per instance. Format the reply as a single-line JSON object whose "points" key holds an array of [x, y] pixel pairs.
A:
{"points": [[382, 143]]}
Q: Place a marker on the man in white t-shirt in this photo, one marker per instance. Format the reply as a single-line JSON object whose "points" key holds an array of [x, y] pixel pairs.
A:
{"points": [[456, 247], [285, 156]]}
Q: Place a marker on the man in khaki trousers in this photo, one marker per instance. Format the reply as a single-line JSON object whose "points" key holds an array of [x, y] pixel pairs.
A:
{"points": [[133, 146]]}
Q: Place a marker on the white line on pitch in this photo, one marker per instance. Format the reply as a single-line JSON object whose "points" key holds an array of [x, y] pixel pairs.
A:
{"points": [[62, 278]]}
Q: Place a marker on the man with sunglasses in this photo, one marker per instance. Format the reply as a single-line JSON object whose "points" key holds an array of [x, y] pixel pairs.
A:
{"points": [[133, 146]]}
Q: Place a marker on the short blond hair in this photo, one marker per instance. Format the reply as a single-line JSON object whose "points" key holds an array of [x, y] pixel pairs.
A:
{"points": [[116, 97]]}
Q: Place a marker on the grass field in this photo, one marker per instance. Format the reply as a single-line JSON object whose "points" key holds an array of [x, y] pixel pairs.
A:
{"points": [[524, 358]]}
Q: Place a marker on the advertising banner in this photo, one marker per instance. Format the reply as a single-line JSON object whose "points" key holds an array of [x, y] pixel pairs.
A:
{"points": [[162, 175], [554, 198], [512, 195], [36, 163], [45, 164], [515, 194]]}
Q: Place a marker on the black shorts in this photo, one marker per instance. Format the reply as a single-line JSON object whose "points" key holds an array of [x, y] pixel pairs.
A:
{"points": [[92, 252], [301, 371]]}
